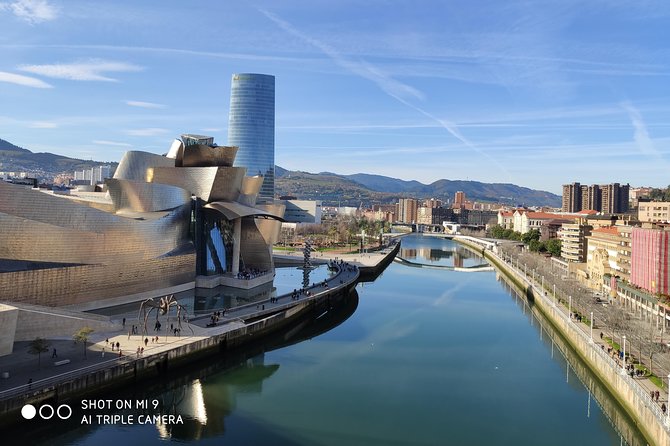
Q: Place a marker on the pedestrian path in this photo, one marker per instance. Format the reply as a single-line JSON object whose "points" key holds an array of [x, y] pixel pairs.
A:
{"points": [[20, 370]]}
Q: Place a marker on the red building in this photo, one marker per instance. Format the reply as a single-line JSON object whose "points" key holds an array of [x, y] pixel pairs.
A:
{"points": [[650, 263]]}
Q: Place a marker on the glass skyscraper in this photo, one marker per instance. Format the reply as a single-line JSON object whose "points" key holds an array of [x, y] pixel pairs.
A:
{"points": [[251, 126]]}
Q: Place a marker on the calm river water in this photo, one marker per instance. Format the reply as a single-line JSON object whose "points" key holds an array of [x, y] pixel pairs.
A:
{"points": [[419, 357]]}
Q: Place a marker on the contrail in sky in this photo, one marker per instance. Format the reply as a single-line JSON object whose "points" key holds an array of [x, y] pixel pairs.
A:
{"points": [[392, 87]]}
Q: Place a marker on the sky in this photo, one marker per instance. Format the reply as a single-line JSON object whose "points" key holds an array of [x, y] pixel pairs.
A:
{"points": [[537, 93]]}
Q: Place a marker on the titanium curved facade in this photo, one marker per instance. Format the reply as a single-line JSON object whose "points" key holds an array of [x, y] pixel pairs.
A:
{"points": [[251, 126]]}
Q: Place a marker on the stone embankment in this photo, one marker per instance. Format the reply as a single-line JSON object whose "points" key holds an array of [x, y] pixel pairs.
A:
{"points": [[649, 418]]}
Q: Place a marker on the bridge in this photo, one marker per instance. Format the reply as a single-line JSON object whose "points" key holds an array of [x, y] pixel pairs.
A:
{"points": [[462, 269]]}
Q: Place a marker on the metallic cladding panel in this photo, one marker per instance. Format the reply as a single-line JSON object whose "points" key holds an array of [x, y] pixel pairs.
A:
{"points": [[232, 210], [207, 183], [146, 197], [250, 188], [134, 165], [39, 227], [79, 284], [271, 229], [255, 252], [199, 155], [175, 147]]}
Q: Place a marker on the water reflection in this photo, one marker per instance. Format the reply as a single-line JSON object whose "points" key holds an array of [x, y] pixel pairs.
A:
{"points": [[438, 252], [575, 367], [204, 394]]}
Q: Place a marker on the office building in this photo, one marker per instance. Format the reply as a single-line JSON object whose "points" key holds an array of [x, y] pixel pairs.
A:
{"points": [[251, 127]]}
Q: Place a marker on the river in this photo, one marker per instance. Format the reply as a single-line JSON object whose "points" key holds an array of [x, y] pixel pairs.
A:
{"points": [[418, 357]]}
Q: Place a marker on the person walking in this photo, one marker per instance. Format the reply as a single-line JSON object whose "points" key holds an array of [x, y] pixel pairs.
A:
{"points": [[54, 354]]}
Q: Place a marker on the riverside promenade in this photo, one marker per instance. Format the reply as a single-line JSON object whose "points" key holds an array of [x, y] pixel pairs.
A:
{"points": [[633, 393], [72, 372]]}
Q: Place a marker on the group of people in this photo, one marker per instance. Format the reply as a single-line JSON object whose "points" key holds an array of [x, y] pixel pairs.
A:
{"points": [[250, 273]]}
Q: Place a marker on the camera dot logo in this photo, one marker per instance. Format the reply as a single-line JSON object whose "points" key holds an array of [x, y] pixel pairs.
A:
{"points": [[46, 411], [28, 411]]}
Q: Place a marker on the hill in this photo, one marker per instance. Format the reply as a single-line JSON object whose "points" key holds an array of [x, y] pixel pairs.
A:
{"points": [[44, 165], [351, 190]]}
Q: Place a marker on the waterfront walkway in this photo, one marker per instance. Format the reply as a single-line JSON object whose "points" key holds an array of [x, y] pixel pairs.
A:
{"points": [[22, 375]]}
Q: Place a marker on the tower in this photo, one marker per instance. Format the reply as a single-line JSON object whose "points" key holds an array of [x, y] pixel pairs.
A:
{"points": [[251, 127]]}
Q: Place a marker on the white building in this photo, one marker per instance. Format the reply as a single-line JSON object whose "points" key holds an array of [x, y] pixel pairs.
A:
{"points": [[303, 211]]}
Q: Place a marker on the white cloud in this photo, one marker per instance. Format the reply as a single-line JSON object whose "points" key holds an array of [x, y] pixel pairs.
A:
{"points": [[90, 70], [32, 11], [103, 142], [43, 125], [151, 131], [641, 136], [26, 81], [142, 104]]}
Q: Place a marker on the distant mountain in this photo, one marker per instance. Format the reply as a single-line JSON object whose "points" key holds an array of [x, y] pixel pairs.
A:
{"points": [[44, 166], [6, 146], [352, 190]]}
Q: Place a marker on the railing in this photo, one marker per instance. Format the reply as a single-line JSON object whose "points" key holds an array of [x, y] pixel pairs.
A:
{"points": [[49, 383]]}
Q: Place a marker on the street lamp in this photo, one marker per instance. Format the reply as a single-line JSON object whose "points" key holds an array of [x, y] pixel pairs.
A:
{"points": [[554, 294], [592, 327], [570, 307], [623, 363]]}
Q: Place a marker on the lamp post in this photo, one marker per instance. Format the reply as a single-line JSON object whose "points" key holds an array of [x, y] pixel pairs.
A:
{"points": [[554, 294], [623, 363], [592, 327], [570, 307]]}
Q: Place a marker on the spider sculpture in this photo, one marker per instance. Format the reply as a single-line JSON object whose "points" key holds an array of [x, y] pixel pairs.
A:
{"points": [[163, 307]]}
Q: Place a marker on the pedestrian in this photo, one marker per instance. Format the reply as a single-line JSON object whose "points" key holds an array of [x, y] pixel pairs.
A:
{"points": [[118, 345], [124, 322], [146, 341], [138, 352], [54, 354], [120, 353], [601, 335], [142, 351]]}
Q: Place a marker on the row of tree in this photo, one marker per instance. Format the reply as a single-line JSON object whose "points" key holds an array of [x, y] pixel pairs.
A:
{"points": [[530, 239], [660, 194]]}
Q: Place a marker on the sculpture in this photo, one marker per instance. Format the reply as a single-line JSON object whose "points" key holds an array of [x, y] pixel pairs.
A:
{"points": [[163, 307]]}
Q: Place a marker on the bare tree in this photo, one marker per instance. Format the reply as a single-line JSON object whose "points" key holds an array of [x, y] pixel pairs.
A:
{"points": [[38, 346]]}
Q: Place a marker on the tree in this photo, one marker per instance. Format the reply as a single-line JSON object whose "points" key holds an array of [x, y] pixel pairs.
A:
{"points": [[533, 234], [82, 335], [554, 247], [38, 346]]}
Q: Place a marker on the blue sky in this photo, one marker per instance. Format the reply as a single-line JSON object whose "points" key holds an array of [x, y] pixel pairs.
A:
{"points": [[536, 93]]}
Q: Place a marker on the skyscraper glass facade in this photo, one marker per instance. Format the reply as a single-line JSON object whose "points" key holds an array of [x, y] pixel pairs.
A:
{"points": [[251, 126]]}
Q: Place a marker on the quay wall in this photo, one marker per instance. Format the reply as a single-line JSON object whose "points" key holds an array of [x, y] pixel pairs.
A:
{"points": [[122, 371], [647, 416]]}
